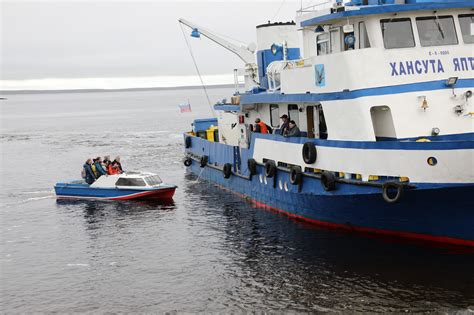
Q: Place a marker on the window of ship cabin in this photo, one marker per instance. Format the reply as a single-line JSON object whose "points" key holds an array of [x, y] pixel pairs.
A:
{"points": [[335, 40], [274, 115], [294, 113], [436, 30], [466, 21], [130, 182], [364, 41], [397, 33], [322, 44]]}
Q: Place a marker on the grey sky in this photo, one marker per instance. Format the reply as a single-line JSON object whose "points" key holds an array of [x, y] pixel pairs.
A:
{"points": [[121, 39]]}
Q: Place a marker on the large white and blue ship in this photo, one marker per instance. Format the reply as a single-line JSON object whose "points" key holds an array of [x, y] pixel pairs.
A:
{"points": [[382, 92]]}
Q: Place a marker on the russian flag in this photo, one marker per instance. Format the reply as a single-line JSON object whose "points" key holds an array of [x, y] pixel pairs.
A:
{"points": [[185, 108]]}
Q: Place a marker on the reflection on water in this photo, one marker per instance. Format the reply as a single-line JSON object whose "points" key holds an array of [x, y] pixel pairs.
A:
{"points": [[304, 266], [206, 251]]}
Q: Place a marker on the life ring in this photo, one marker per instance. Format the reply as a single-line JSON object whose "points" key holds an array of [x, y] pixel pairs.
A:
{"points": [[270, 168], [227, 170], [388, 190], [187, 142], [252, 166], [309, 153], [295, 175], [328, 180], [188, 161], [203, 161]]}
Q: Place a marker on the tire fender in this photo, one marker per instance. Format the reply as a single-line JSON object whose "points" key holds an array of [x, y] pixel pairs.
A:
{"points": [[295, 175], [388, 190], [252, 166], [203, 161], [270, 168], [188, 142], [188, 161], [227, 170], [309, 152], [328, 181]]}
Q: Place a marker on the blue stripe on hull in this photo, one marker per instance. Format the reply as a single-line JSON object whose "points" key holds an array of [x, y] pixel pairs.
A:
{"points": [[441, 212], [87, 192]]}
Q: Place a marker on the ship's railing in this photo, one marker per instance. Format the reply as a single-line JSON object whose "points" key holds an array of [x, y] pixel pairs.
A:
{"points": [[275, 68], [322, 4]]}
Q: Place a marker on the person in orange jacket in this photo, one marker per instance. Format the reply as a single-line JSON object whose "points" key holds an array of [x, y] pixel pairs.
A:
{"points": [[261, 127], [112, 170]]}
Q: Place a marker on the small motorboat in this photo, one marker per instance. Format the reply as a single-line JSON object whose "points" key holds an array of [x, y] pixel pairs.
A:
{"points": [[125, 186]]}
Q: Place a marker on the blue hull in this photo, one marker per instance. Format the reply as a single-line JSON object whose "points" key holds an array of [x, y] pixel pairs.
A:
{"points": [[441, 213]]}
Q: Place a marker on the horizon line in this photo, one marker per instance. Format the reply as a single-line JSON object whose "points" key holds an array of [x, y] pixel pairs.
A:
{"points": [[79, 90], [115, 83]]}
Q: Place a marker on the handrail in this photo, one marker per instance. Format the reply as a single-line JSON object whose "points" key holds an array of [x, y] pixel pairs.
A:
{"points": [[315, 7]]}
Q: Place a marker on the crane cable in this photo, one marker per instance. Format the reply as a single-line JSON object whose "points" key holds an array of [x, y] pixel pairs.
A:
{"points": [[197, 69]]}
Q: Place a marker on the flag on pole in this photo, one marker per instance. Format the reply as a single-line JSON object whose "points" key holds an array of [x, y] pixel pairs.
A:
{"points": [[185, 108]]}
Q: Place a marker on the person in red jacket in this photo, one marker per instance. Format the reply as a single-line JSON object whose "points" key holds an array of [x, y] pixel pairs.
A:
{"points": [[261, 127], [112, 170]]}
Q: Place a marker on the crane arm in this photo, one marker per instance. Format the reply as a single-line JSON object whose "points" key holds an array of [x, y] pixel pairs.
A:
{"points": [[243, 52]]}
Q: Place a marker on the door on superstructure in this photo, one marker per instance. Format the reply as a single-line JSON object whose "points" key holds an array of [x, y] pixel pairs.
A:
{"points": [[321, 123], [382, 122], [294, 113], [310, 121]]}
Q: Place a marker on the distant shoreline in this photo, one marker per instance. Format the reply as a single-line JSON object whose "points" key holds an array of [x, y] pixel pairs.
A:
{"points": [[172, 88]]}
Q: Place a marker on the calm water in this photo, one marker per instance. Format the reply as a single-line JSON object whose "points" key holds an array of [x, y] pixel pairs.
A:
{"points": [[206, 251]]}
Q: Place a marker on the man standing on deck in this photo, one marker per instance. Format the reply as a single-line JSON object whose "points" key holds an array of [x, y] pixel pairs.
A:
{"points": [[285, 124]]}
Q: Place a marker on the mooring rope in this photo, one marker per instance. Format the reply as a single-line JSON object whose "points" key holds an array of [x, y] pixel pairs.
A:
{"points": [[197, 70]]}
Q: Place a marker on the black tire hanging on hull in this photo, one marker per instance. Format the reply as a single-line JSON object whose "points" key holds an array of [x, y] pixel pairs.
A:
{"points": [[203, 161], [392, 192], [187, 142], [309, 153], [252, 166], [270, 169], [188, 161], [295, 175], [227, 170], [328, 180]]}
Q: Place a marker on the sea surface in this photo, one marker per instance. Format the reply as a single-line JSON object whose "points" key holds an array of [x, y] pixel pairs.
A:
{"points": [[207, 251]]}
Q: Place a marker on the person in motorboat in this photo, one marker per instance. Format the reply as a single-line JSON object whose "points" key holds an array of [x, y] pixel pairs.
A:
{"points": [[293, 130], [105, 162], [89, 176], [112, 170], [116, 163], [99, 170]]}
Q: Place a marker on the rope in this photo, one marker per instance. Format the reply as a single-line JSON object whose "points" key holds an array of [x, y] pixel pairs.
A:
{"points": [[197, 70], [278, 11]]}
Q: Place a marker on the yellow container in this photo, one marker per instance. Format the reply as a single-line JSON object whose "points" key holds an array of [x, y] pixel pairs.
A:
{"points": [[210, 133]]}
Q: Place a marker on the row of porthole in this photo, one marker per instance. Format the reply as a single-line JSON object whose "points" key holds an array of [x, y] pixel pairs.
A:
{"points": [[281, 185]]}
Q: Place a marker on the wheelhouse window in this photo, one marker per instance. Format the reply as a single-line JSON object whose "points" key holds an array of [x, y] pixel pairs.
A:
{"points": [[274, 115], [130, 182], [322, 44], [436, 31], [466, 21], [364, 41], [397, 33]]}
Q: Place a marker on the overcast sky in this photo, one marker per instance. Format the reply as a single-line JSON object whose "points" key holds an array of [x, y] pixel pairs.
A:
{"points": [[97, 39]]}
